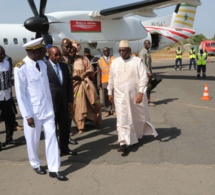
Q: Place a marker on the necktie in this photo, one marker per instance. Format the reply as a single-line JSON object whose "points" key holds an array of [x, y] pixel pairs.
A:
{"points": [[38, 67], [57, 71]]}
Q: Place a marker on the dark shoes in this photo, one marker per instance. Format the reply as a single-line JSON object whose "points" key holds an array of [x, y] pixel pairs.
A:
{"points": [[72, 141], [58, 176], [11, 142], [122, 148], [40, 170], [68, 152]]}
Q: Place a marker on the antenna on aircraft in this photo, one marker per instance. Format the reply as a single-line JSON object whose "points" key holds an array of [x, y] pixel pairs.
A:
{"points": [[39, 22]]}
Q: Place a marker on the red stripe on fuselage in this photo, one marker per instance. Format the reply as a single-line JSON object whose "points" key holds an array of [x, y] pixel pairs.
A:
{"points": [[175, 40], [173, 32]]}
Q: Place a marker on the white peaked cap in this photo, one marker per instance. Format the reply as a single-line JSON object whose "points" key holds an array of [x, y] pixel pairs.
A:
{"points": [[34, 44], [124, 43]]}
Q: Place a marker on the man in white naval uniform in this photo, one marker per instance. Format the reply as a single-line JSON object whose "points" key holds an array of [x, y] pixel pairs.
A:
{"points": [[128, 80], [35, 103]]}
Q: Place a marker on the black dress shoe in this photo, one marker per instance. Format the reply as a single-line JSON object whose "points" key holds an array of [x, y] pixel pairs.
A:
{"points": [[13, 142], [68, 152], [122, 148], [72, 141], [58, 176], [40, 170]]}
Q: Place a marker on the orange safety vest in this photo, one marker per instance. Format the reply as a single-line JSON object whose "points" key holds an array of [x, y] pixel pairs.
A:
{"points": [[105, 68]]}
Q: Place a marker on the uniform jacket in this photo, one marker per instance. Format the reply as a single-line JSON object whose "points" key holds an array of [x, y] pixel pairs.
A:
{"points": [[32, 89], [61, 93]]}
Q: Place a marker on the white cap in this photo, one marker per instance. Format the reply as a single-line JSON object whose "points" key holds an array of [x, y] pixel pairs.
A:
{"points": [[124, 43], [34, 44]]}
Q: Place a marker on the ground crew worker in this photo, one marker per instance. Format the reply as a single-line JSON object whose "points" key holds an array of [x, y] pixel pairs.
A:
{"points": [[178, 58], [201, 63], [104, 65], [192, 53]]}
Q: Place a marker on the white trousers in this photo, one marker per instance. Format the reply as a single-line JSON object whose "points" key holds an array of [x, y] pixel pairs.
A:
{"points": [[32, 136]]}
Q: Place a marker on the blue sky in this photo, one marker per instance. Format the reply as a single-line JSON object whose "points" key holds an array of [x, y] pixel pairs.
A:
{"points": [[17, 11]]}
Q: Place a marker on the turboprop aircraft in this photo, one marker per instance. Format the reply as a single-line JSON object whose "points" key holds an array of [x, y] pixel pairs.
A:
{"points": [[98, 29]]}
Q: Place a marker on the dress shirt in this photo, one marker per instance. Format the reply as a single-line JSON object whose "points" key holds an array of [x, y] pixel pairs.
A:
{"points": [[107, 59], [57, 70]]}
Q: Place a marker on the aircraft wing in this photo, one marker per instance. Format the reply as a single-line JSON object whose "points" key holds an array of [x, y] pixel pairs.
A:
{"points": [[141, 8]]}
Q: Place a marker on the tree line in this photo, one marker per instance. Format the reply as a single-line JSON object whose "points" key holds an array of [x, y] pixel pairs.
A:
{"points": [[195, 40]]}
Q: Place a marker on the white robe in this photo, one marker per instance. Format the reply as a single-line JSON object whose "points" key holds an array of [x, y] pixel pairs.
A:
{"points": [[127, 78]]}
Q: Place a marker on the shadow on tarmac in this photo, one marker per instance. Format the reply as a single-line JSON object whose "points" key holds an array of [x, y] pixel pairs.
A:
{"points": [[165, 101], [167, 66], [208, 78], [94, 149], [164, 135]]}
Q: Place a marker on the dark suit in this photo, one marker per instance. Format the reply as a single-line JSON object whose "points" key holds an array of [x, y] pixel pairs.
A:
{"points": [[61, 96]]}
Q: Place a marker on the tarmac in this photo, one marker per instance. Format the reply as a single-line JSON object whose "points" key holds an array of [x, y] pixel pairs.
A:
{"points": [[180, 161]]}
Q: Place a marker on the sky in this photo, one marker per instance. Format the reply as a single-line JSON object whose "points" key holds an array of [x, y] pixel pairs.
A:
{"points": [[17, 11]]}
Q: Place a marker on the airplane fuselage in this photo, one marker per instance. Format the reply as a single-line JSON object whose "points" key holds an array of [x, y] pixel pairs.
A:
{"points": [[94, 33]]}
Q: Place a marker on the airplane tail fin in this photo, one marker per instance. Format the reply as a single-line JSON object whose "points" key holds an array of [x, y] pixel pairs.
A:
{"points": [[184, 16]]}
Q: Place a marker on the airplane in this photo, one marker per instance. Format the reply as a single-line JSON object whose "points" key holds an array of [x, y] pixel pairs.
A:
{"points": [[104, 28]]}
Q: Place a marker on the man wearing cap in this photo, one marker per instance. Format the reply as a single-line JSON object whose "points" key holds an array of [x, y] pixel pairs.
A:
{"points": [[192, 53], [35, 103], [104, 65], [128, 79]]}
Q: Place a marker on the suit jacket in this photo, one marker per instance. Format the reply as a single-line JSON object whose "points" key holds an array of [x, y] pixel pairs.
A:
{"points": [[61, 93]]}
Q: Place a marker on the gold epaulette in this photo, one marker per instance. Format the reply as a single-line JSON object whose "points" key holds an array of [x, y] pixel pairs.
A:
{"points": [[19, 64]]}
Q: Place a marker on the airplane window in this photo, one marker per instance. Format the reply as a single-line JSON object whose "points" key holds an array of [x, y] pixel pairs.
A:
{"points": [[15, 41], [5, 41], [32, 38], [24, 40]]}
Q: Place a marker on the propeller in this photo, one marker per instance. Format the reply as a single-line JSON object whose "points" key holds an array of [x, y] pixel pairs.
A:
{"points": [[39, 22]]}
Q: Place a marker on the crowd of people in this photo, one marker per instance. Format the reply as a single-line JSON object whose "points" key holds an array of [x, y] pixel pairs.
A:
{"points": [[55, 86]]}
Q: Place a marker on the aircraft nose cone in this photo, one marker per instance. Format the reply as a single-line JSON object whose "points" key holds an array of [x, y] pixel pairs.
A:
{"points": [[37, 24]]}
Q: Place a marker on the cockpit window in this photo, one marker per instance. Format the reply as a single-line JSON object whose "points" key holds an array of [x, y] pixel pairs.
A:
{"points": [[5, 41]]}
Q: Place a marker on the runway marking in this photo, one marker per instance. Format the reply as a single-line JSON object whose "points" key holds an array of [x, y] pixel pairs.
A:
{"points": [[201, 107]]}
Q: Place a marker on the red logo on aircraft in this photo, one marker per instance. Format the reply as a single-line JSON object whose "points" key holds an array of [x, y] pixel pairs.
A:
{"points": [[85, 26]]}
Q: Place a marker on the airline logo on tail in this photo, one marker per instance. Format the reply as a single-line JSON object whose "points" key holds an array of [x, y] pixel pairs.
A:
{"points": [[185, 16]]}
